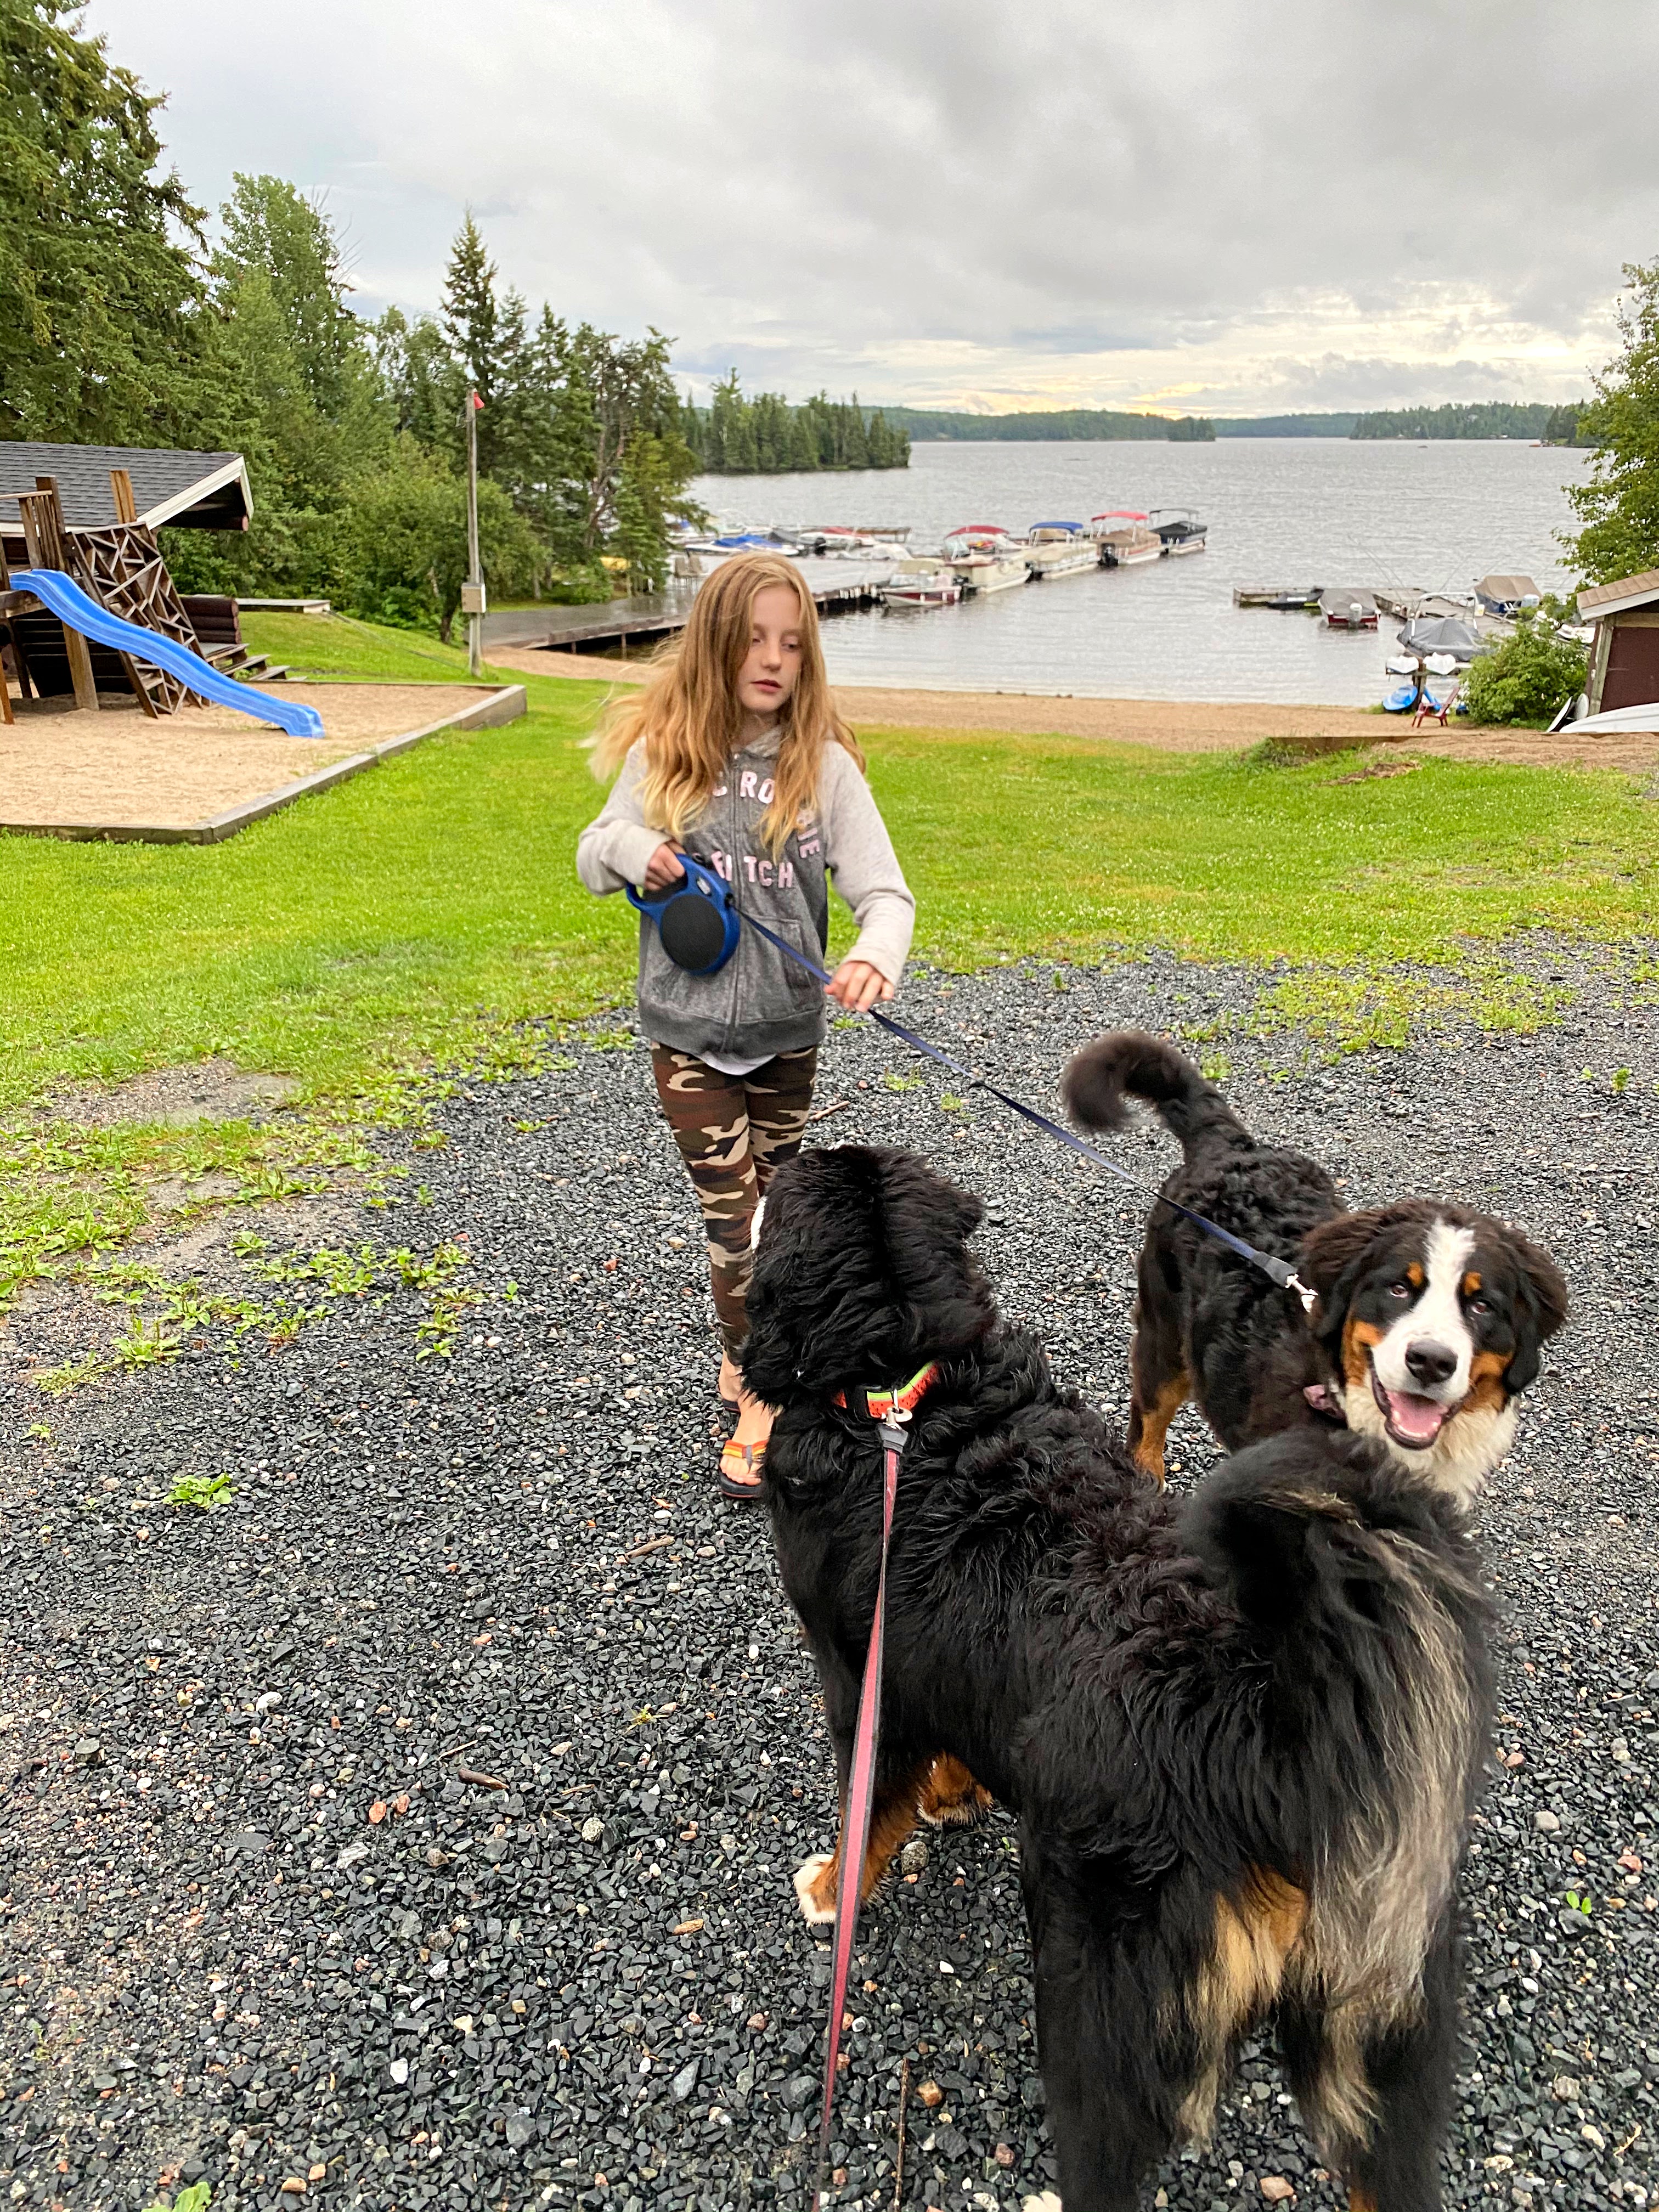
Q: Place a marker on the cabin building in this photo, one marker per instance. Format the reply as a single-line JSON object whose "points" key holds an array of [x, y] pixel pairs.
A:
{"points": [[1625, 659], [175, 490]]}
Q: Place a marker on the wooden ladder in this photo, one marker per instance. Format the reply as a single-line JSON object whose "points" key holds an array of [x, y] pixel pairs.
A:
{"points": [[122, 568], [120, 565]]}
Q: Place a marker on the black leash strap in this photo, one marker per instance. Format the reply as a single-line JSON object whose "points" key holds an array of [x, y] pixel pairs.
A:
{"points": [[1277, 1271]]}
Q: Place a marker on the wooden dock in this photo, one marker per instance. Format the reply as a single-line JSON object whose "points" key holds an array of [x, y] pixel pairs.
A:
{"points": [[837, 586]]}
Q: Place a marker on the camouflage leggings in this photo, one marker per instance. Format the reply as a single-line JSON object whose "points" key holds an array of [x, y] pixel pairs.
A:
{"points": [[732, 1130]]}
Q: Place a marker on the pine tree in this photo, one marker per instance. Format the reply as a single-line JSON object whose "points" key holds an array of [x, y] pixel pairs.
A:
{"points": [[99, 282], [470, 314]]}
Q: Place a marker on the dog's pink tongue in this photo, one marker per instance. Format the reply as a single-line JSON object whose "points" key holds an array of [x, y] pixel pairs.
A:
{"points": [[1417, 1420]]}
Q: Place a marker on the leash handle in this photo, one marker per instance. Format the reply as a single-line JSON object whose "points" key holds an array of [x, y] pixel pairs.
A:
{"points": [[1276, 1270], [861, 1795]]}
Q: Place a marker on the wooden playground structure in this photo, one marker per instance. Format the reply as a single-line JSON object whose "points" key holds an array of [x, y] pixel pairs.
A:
{"points": [[120, 565]]}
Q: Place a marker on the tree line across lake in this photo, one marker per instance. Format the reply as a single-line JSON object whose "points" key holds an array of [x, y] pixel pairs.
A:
{"points": [[1500, 418]]}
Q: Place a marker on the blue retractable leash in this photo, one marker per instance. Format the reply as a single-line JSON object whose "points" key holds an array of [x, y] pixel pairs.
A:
{"points": [[700, 922], [697, 919]]}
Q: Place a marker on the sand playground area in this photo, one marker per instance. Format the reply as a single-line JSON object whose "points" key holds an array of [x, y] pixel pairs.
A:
{"points": [[205, 772]]}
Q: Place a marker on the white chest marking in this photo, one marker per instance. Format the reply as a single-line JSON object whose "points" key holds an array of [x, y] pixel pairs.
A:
{"points": [[1436, 1316]]}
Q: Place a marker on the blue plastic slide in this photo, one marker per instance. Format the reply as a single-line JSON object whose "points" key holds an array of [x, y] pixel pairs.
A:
{"points": [[65, 598]]}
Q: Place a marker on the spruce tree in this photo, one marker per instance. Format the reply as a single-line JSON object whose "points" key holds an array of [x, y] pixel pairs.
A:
{"points": [[470, 316]]}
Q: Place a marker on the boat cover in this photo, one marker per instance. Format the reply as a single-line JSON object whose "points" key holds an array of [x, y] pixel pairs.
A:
{"points": [[1440, 633]]}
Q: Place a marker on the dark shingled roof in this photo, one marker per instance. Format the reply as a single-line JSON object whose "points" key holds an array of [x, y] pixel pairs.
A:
{"points": [[192, 491]]}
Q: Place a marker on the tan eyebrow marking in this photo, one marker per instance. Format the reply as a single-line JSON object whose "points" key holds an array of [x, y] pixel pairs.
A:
{"points": [[1471, 1284], [1414, 1276]]}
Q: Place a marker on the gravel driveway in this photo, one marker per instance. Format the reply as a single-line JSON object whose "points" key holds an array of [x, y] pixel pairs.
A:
{"points": [[416, 1829]]}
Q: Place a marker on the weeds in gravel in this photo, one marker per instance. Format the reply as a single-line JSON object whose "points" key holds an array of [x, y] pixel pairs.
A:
{"points": [[195, 2198], [202, 1492], [184, 1312], [1351, 1010]]}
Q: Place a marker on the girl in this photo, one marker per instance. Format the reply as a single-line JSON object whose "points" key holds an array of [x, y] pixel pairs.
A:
{"points": [[734, 752]]}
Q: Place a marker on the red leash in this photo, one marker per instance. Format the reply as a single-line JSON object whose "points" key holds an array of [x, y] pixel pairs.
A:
{"points": [[891, 1409]]}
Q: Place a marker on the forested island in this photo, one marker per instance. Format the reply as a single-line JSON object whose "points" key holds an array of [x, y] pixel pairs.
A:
{"points": [[767, 436]]}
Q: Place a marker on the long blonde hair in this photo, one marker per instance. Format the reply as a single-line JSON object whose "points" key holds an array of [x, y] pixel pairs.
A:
{"points": [[688, 712]]}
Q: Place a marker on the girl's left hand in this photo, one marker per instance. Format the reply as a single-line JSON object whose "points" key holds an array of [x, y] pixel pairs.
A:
{"points": [[857, 986]]}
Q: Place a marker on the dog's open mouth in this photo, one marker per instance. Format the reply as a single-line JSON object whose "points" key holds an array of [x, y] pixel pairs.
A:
{"points": [[1411, 1421]]}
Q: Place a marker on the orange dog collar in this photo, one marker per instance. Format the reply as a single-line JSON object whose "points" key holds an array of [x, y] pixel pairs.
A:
{"points": [[894, 1403]]}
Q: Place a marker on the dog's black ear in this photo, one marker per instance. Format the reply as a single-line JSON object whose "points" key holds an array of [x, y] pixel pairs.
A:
{"points": [[1541, 1308], [1330, 1259]]}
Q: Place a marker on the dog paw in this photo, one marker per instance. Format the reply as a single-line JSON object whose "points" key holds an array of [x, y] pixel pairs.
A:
{"points": [[958, 1812], [1048, 2202], [806, 1879], [950, 1798]]}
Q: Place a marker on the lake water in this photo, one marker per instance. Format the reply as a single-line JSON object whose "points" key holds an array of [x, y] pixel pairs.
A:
{"points": [[1280, 510]]}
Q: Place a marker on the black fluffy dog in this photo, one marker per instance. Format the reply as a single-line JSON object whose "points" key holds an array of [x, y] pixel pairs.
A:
{"points": [[1242, 1738], [1429, 1317]]}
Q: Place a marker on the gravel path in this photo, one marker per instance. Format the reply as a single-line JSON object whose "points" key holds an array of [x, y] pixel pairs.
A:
{"points": [[261, 1921]]}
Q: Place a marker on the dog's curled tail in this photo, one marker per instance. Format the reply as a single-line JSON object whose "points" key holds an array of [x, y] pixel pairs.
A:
{"points": [[1130, 1061], [1362, 1592]]}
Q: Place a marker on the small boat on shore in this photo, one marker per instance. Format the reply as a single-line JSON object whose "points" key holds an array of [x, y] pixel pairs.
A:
{"points": [[1347, 607], [1179, 528], [1124, 540], [1059, 549]]}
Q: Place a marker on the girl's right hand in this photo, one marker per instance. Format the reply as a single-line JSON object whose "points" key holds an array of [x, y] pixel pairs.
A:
{"points": [[662, 868]]}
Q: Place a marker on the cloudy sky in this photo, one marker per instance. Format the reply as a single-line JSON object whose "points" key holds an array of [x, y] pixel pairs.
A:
{"points": [[1239, 206]]}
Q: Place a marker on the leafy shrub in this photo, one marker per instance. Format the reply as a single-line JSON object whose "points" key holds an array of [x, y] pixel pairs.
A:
{"points": [[1529, 678]]}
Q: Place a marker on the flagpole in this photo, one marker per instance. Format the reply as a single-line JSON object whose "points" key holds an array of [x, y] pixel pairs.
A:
{"points": [[473, 598]]}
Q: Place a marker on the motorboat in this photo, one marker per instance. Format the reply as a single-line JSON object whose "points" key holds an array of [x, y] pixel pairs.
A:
{"points": [[1507, 595], [986, 557], [991, 572], [1059, 549], [921, 582], [1287, 599], [732, 541], [1347, 607], [1180, 529], [841, 537], [1123, 538]]}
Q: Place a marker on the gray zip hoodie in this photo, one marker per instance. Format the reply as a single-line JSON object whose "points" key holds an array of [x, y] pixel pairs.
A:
{"points": [[760, 1003]]}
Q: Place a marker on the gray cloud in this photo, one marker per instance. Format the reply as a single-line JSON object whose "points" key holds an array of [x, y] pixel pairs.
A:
{"points": [[1248, 204]]}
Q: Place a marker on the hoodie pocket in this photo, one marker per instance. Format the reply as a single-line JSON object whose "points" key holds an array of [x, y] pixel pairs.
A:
{"points": [[671, 990], [803, 985]]}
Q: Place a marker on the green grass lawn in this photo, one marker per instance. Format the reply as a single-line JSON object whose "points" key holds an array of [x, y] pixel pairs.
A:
{"points": [[380, 920], [412, 916]]}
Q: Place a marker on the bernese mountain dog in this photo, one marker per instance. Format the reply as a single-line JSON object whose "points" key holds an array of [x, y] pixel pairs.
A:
{"points": [[1428, 1317], [1241, 1734]]}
